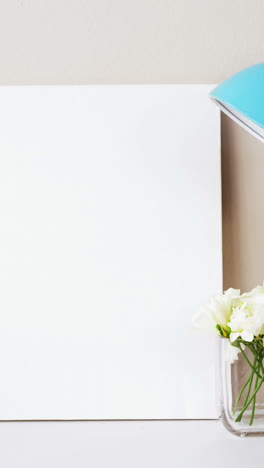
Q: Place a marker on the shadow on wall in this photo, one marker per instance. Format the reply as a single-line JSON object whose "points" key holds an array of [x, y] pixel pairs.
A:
{"points": [[243, 207]]}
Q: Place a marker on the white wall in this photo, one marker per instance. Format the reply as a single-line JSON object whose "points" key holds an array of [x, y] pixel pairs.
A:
{"points": [[128, 41]]}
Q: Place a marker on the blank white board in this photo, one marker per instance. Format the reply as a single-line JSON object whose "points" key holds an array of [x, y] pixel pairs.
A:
{"points": [[110, 239]]}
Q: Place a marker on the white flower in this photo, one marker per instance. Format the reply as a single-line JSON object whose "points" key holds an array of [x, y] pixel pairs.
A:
{"points": [[218, 311], [259, 290], [247, 319], [243, 324], [232, 352]]}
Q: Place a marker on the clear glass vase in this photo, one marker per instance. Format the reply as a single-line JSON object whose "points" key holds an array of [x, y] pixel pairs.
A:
{"points": [[233, 378]]}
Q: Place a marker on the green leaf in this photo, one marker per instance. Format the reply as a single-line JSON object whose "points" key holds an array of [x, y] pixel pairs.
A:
{"points": [[219, 328]]}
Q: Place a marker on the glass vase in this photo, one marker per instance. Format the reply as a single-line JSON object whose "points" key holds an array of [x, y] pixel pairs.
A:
{"points": [[238, 392]]}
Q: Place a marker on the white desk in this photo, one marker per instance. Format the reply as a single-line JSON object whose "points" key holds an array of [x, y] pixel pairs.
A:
{"points": [[116, 444]]}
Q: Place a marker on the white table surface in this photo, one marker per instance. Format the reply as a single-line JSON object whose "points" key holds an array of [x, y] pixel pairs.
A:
{"points": [[125, 444]]}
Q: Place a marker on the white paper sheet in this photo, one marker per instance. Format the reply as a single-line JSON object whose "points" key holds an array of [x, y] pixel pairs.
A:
{"points": [[110, 239]]}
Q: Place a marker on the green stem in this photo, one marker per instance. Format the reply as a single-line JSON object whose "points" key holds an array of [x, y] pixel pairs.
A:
{"points": [[248, 361], [241, 392], [250, 382], [249, 389], [254, 401], [261, 362], [246, 405]]}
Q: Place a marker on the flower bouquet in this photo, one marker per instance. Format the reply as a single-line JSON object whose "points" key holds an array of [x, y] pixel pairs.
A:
{"points": [[239, 320]]}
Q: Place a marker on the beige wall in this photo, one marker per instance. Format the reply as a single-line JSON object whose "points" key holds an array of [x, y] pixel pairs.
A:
{"points": [[243, 206], [154, 41]]}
